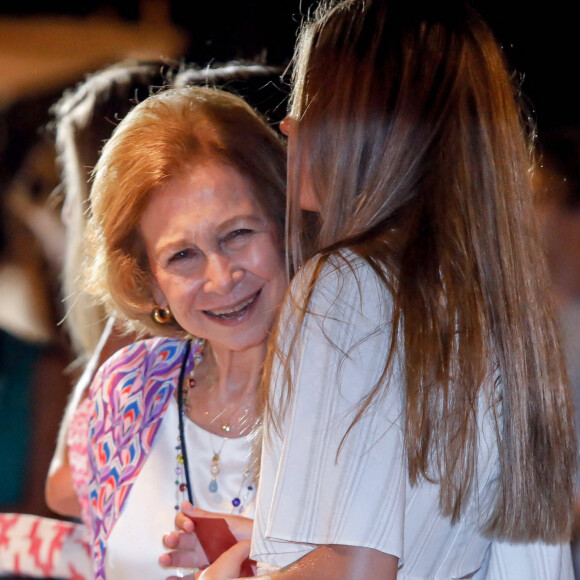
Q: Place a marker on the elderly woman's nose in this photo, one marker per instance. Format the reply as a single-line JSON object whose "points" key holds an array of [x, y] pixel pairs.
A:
{"points": [[221, 275]]}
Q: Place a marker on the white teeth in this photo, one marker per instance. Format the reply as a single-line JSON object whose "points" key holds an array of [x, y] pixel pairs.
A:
{"points": [[230, 310]]}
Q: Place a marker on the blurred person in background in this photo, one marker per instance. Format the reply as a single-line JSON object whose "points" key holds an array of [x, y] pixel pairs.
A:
{"points": [[557, 182]]}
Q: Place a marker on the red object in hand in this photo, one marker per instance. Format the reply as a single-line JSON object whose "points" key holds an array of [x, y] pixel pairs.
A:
{"points": [[215, 538]]}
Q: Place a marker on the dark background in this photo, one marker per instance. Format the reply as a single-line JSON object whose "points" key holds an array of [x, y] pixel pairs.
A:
{"points": [[540, 39]]}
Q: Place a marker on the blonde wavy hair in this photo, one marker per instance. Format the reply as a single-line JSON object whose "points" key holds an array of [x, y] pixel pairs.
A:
{"points": [[162, 138]]}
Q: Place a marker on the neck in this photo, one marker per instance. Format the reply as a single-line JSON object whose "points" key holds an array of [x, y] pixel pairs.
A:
{"points": [[225, 393], [233, 373]]}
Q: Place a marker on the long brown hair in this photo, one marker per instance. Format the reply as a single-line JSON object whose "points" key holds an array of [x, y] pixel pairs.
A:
{"points": [[411, 138]]}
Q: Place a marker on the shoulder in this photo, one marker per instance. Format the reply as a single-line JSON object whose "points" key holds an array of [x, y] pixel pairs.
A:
{"points": [[339, 270], [147, 353], [342, 284], [141, 364]]}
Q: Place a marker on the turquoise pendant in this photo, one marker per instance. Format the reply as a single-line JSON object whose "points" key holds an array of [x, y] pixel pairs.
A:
{"points": [[213, 486]]}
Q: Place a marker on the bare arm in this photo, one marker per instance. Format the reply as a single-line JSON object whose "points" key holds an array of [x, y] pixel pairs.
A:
{"points": [[336, 561], [323, 563], [61, 496]]}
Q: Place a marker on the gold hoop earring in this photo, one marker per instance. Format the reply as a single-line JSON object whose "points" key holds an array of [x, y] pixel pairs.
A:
{"points": [[161, 315]]}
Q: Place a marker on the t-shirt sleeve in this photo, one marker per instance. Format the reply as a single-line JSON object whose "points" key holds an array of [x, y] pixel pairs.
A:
{"points": [[321, 483], [532, 561]]}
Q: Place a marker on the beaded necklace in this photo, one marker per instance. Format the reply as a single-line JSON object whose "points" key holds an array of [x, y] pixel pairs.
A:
{"points": [[182, 469], [182, 480]]}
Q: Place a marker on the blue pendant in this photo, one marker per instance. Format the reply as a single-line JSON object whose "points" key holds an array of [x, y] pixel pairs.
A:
{"points": [[213, 486]]}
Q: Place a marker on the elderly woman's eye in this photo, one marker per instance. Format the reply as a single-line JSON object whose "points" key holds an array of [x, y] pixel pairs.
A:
{"points": [[239, 233], [181, 255]]}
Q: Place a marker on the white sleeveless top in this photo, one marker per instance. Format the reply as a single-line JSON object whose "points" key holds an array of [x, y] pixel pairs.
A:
{"points": [[135, 542]]}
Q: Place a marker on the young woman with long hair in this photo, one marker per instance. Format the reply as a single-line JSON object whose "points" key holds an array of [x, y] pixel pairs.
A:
{"points": [[418, 422]]}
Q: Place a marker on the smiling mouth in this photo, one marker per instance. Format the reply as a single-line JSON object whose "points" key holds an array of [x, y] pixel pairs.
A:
{"points": [[236, 312]]}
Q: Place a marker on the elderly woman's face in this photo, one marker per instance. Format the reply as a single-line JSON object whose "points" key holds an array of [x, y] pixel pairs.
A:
{"points": [[215, 257]]}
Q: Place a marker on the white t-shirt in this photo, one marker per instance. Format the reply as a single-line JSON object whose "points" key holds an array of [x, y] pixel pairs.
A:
{"points": [[311, 495], [135, 542]]}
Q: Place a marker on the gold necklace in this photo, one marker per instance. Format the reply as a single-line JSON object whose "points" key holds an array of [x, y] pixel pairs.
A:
{"points": [[182, 471]]}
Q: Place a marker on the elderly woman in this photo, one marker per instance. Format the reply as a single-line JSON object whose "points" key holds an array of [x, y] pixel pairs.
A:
{"points": [[186, 243]]}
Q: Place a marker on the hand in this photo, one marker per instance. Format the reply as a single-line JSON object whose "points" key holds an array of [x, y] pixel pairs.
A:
{"points": [[240, 526], [185, 548], [185, 551], [227, 566]]}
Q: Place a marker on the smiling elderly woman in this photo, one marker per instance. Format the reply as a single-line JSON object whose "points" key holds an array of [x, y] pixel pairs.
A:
{"points": [[185, 239]]}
